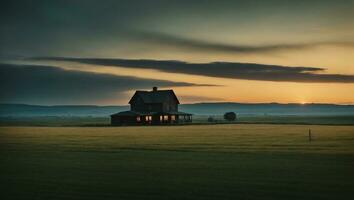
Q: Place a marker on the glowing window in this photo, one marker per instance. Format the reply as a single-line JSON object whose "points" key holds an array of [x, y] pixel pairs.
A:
{"points": [[161, 118], [165, 117], [150, 118], [146, 118], [138, 119], [173, 118]]}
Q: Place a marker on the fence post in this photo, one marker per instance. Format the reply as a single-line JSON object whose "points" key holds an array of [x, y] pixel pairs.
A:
{"points": [[310, 136]]}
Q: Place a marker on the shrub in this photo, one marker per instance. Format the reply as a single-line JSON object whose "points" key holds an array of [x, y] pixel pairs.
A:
{"points": [[230, 116]]}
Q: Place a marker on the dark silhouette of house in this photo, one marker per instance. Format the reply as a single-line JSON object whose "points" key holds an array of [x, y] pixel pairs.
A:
{"points": [[152, 107]]}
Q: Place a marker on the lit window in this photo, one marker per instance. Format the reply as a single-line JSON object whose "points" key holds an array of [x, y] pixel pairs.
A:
{"points": [[146, 118], [138, 119], [173, 118], [150, 118], [165, 117], [160, 118]]}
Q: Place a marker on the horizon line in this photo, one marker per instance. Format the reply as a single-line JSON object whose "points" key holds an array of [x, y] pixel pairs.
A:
{"points": [[212, 102]]}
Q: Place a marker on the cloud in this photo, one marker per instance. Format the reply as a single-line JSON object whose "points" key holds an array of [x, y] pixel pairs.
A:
{"points": [[52, 85], [94, 28], [201, 45], [233, 70], [190, 98]]}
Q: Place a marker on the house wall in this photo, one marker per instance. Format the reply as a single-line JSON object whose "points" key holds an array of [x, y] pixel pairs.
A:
{"points": [[151, 107], [117, 120], [170, 105], [155, 107], [138, 105], [123, 120]]}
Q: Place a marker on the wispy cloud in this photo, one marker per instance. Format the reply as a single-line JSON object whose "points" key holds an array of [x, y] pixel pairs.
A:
{"points": [[233, 70], [195, 98], [202, 45], [53, 85]]}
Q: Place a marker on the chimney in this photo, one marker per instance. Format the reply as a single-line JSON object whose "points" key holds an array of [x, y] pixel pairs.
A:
{"points": [[154, 89]]}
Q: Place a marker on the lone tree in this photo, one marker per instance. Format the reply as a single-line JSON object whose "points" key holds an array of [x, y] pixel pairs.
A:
{"points": [[230, 116]]}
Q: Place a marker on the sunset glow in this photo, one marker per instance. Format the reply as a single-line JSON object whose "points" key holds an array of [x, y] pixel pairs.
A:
{"points": [[315, 35]]}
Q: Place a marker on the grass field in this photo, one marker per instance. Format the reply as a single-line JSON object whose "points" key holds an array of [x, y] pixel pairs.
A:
{"points": [[177, 162], [197, 119]]}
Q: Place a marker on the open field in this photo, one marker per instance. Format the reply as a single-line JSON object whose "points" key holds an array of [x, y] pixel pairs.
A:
{"points": [[197, 119], [177, 162]]}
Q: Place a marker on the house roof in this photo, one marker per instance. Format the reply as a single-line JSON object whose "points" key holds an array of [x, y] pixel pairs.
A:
{"points": [[158, 96], [134, 113], [127, 113]]}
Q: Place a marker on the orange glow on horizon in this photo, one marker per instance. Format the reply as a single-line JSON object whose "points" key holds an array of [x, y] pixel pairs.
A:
{"points": [[229, 90]]}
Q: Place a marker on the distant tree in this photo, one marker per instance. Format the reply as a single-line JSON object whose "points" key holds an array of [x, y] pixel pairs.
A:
{"points": [[230, 116]]}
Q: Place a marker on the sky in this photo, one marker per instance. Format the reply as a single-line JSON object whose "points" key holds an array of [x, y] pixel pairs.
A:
{"points": [[99, 52]]}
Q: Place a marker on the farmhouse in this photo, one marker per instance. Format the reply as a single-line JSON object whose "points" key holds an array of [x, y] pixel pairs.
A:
{"points": [[152, 107]]}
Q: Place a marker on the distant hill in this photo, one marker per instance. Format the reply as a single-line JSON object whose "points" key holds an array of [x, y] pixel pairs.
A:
{"points": [[23, 110], [268, 109], [71, 110]]}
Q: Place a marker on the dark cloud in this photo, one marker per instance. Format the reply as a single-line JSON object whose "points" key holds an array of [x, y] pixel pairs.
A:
{"points": [[248, 71], [84, 28], [201, 45], [52, 85]]}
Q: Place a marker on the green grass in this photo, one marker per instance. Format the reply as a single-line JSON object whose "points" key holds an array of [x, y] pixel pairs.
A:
{"points": [[179, 162]]}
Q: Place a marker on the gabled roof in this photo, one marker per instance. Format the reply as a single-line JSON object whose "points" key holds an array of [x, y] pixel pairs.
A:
{"points": [[134, 113], [158, 96], [126, 113]]}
